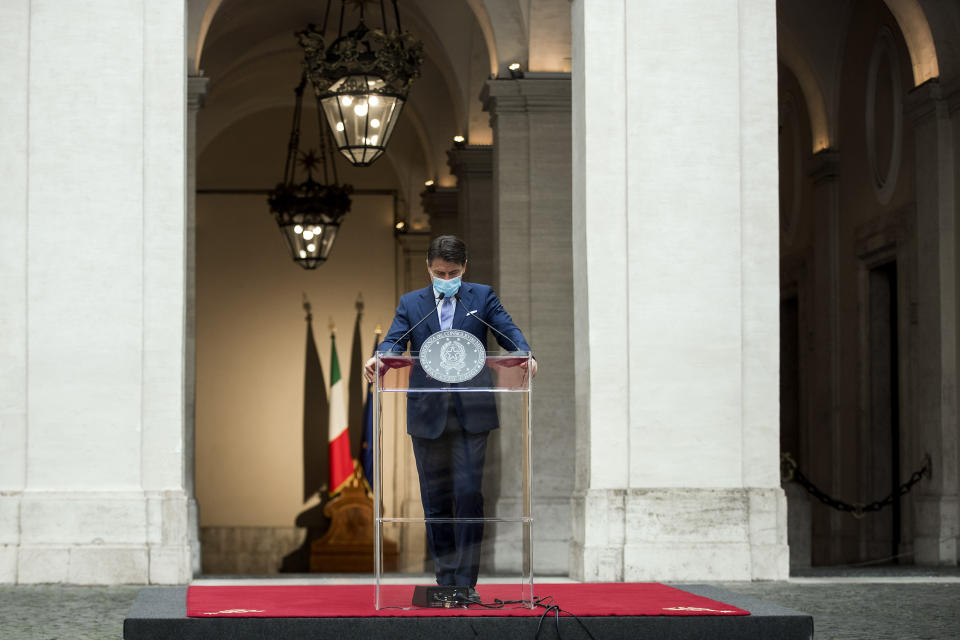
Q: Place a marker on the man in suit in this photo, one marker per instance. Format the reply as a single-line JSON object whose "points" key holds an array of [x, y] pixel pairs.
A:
{"points": [[449, 430]]}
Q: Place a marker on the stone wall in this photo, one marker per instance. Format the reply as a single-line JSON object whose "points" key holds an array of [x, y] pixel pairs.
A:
{"points": [[247, 550], [92, 327], [675, 292]]}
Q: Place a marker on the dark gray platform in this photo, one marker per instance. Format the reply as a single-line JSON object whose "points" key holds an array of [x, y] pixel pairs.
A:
{"points": [[160, 613]]}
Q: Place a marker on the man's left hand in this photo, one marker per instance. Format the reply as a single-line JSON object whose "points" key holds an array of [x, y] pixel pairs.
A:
{"points": [[533, 368]]}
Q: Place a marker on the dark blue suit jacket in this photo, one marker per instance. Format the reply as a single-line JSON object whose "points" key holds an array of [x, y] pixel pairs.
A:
{"points": [[427, 411]]}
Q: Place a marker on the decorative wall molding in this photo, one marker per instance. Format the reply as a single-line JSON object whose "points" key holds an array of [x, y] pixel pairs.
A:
{"points": [[884, 177], [790, 122]]}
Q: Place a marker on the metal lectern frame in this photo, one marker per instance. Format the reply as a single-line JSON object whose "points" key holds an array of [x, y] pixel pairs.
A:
{"points": [[509, 373]]}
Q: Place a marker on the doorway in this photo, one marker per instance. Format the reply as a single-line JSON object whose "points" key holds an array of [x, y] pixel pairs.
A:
{"points": [[790, 377], [881, 535]]}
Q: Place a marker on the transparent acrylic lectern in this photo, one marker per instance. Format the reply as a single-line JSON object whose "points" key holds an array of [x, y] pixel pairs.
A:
{"points": [[413, 550]]}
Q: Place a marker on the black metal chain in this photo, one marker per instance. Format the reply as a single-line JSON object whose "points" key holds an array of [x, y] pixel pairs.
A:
{"points": [[789, 472]]}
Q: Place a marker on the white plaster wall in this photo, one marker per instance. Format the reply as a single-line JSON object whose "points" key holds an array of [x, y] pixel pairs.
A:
{"points": [[250, 343], [548, 27], [600, 238], [759, 246], [93, 292], [84, 339], [675, 251], [14, 25], [683, 272]]}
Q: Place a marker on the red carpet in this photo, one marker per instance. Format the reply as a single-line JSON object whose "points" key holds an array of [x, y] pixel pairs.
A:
{"points": [[350, 601]]}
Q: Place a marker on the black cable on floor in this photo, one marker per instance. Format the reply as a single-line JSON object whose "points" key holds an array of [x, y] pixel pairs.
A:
{"points": [[546, 602]]}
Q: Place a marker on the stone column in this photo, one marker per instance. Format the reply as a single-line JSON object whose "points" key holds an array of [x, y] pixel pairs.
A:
{"points": [[676, 292], [825, 459], [91, 440], [473, 167], [440, 203], [411, 258], [14, 158], [933, 109], [532, 272], [196, 93], [403, 492]]}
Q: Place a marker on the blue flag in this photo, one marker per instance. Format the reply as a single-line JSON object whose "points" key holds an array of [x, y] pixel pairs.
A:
{"points": [[366, 445]]}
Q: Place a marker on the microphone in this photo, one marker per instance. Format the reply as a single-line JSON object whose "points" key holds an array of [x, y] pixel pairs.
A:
{"points": [[419, 322], [474, 314]]}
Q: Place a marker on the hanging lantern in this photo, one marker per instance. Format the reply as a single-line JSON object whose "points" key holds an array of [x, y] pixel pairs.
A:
{"points": [[309, 213], [362, 79]]}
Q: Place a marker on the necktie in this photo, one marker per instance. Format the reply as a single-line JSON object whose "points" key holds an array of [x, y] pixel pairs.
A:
{"points": [[446, 313]]}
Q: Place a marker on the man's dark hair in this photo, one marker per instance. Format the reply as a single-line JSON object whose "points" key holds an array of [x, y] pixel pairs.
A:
{"points": [[449, 248]]}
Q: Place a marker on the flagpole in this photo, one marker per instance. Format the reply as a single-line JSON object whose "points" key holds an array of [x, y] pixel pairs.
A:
{"points": [[316, 416], [366, 439], [355, 386]]}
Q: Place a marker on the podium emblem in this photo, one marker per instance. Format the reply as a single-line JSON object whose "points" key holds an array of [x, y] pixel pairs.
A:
{"points": [[452, 356]]}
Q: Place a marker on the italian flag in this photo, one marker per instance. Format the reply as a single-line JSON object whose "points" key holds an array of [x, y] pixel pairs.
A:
{"points": [[341, 464]]}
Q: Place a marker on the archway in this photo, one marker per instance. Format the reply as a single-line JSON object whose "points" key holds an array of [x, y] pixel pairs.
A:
{"points": [[916, 31], [247, 51]]}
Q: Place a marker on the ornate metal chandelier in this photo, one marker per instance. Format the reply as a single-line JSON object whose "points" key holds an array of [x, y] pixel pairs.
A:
{"points": [[309, 213], [362, 79]]}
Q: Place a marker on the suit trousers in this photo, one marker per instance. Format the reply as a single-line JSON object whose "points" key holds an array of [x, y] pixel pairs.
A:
{"points": [[451, 473]]}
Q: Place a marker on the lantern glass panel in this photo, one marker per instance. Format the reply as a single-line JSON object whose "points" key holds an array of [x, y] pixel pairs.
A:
{"points": [[325, 245], [361, 116], [310, 243]]}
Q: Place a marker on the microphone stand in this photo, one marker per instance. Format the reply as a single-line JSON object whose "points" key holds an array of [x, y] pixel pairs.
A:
{"points": [[401, 339], [493, 328]]}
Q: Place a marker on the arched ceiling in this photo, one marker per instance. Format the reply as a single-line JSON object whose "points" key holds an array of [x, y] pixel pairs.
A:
{"points": [[810, 41], [916, 31], [248, 50], [943, 20], [793, 56], [812, 35], [458, 34]]}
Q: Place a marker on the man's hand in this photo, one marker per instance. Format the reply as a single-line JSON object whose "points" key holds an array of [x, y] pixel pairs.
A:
{"points": [[533, 368], [370, 369]]}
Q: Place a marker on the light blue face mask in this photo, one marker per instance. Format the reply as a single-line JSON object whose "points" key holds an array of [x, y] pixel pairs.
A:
{"points": [[447, 287]]}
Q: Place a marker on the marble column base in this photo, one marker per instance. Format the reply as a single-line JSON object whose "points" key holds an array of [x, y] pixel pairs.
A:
{"points": [[938, 530], [102, 537], [679, 534]]}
